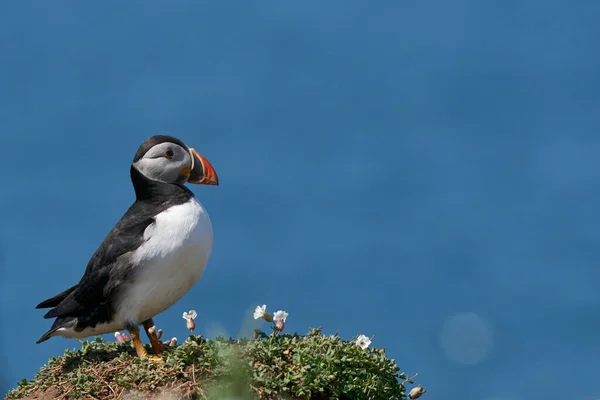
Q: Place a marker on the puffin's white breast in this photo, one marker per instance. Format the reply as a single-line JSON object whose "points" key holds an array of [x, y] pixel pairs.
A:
{"points": [[171, 260]]}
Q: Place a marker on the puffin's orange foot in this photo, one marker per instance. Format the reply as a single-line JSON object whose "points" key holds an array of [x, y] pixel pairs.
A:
{"points": [[157, 346], [139, 346], [155, 358]]}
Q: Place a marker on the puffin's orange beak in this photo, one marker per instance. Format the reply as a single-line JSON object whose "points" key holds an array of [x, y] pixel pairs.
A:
{"points": [[202, 172]]}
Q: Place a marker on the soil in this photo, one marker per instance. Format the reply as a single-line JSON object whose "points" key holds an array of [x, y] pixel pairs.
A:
{"points": [[167, 394]]}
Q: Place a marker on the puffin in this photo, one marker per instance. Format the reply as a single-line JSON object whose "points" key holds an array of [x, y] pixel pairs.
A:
{"points": [[150, 259]]}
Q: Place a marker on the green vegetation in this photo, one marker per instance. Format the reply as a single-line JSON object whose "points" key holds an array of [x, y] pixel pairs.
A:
{"points": [[277, 366]]}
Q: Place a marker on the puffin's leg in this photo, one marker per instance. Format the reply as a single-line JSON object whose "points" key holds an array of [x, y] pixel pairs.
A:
{"points": [[139, 346], [149, 327]]}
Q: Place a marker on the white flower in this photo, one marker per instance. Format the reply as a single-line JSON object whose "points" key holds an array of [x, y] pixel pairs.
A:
{"points": [[259, 312], [416, 392], [120, 338], [363, 342], [189, 318], [280, 316], [190, 315]]}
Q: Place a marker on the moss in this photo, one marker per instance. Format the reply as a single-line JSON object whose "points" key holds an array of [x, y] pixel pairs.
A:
{"points": [[311, 366]]}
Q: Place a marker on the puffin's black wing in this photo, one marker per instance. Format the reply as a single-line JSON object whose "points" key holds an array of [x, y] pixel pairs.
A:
{"points": [[90, 302], [107, 268]]}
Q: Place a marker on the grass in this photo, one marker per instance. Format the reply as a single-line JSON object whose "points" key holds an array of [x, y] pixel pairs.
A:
{"points": [[278, 366]]}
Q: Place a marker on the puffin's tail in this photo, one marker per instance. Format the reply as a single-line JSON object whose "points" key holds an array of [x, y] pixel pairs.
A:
{"points": [[54, 301], [64, 322]]}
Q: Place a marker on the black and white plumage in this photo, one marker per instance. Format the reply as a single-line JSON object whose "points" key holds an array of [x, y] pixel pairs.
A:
{"points": [[152, 256]]}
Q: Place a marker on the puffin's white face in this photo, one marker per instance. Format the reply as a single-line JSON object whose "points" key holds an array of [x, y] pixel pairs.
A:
{"points": [[171, 163]]}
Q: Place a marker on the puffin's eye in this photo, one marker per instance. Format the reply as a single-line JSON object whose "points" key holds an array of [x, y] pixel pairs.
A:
{"points": [[169, 153]]}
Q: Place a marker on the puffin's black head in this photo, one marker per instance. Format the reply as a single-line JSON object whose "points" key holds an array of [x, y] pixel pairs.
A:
{"points": [[167, 159]]}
